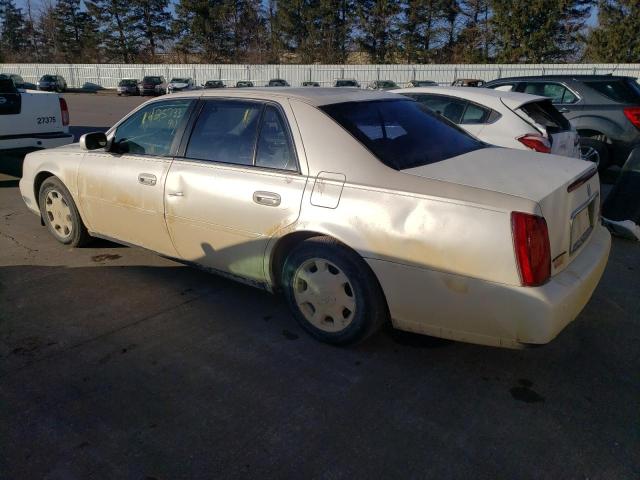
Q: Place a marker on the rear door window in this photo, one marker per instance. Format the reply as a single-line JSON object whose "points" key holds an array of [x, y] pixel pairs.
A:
{"points": [[556, 92], [402, 133], [475, 114], [274, 148], [620, 90], [226, 132]]}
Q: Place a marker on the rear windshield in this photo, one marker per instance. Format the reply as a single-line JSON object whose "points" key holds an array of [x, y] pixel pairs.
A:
{"points": [[152, 80], [346, 83], [620, 90], [127, 83], [402, 133], [180, 80], [545, 115]]}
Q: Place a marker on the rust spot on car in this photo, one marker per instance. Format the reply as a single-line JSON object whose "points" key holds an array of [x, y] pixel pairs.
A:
{"points": [[456, 285], [105, 256]]}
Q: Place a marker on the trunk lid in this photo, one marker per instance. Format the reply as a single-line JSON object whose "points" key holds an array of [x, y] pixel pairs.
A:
{"points": [[540, 114], [542, 178]]}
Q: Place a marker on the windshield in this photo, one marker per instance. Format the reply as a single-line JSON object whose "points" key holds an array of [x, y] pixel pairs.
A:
{"points": [[127, 83], [402, 133], [47, 78], [152, 80], [620, 90], [346, 83], [179, 80], [387, 84]]}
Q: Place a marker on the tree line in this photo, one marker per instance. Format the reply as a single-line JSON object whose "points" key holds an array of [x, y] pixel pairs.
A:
{"points": [[319, 31]]}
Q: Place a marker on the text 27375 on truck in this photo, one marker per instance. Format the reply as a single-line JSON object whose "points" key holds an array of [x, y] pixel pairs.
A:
{"points": [[32, 120]]}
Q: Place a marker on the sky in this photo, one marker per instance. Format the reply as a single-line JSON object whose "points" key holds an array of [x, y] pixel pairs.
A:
{"points": [[36, 3]]}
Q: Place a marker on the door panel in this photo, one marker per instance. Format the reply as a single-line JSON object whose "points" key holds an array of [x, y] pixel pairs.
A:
{"points": [[117, 204], [220, 221], [122, 190], [221, 209]]}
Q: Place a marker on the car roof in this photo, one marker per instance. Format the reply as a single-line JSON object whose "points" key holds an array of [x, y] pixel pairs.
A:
{"points": [[485, 96], [317, 96], [563, 77]]}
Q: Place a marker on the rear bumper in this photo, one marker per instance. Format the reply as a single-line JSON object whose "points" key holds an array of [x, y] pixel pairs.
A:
{"points": [[35, 141], [476, 311]]}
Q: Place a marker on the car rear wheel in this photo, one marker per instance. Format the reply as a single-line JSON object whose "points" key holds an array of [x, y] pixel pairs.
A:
{"points": [[332, 292], [595, 151], [60, 214]]}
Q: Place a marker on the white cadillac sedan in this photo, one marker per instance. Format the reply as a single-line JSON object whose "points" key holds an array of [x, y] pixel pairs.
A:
{"points": [[359, 206], [506, 119]]}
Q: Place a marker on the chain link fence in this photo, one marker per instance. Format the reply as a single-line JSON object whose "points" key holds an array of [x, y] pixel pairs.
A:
{"points": [[96, 76]]}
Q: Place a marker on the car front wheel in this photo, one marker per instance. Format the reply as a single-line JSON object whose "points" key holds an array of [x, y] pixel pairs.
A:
{"points": [[60, 214], [332, 292]]}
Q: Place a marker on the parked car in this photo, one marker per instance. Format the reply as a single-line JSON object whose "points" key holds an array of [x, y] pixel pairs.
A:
{"points": [[52, 83], [357, 205], [467, 82], [244, 84], [153, 85], [346, 82], [605, 110], [214, 84], [310, 84], [181, 84], [15, 78], [128, 86], [278, 82], [382, 85], [31, 120], [422, 83], [506, 119]]}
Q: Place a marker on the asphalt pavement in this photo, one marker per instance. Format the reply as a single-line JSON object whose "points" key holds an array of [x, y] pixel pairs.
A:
{"points": [[116, 363]]}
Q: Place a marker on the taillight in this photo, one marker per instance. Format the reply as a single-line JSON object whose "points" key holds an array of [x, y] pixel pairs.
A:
{"points": [[633, 114], [64, 112], [536, 142], [531, 244]]}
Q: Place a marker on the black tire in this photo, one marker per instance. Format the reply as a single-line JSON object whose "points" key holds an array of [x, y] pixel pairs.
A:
{"points": [[50, 190], [370, 311], [595, 151]]}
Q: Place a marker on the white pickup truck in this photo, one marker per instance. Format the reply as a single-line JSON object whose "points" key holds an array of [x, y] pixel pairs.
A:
{"points": [[32, 120]]}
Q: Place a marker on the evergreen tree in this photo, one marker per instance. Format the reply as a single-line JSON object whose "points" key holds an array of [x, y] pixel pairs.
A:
{"points": [[12, 31], [202, 28], [419, 34], [538, 31], [378, 26], [616, 38], [75, 33], [117, 29], [474, 40], [152, 20]]}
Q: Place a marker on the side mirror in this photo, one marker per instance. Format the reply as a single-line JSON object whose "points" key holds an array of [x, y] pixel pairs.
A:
{"points": [[93, 141]]}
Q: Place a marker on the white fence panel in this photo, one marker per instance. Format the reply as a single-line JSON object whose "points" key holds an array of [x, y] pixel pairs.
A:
{"points": [[108, 75]]}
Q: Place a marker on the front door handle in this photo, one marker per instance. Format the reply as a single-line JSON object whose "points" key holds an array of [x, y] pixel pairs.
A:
{"points": [[176, 194], [147, 179], [269, 199], [563, 110]]}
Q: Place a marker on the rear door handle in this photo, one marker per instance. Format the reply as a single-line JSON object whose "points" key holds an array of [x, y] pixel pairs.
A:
{"points": [[147, 179], [176, 194], [269, 199]]}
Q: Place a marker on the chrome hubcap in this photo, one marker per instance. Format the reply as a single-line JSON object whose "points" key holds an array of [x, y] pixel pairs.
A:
{"points": [[591, 154], [58, 214], [324, 295]]}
